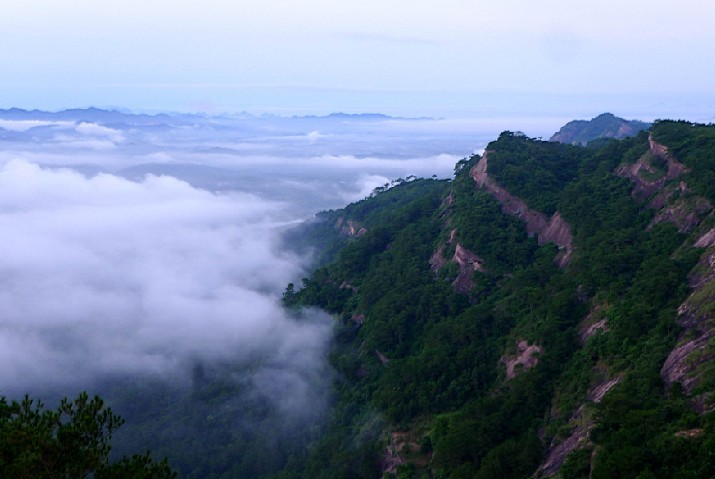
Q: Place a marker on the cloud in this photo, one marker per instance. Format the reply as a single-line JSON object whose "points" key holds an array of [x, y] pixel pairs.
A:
{"points": [[95, 130], [441, 165], [96, 144], [308, 164], [24, 125], [313, 136], [366, 184], [159, 269], [104, 276]]}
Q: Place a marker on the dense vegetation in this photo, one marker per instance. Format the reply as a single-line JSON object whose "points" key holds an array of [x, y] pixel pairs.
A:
{"points": [[428, 362], [421, 386], [70, 442], [694, 145]]}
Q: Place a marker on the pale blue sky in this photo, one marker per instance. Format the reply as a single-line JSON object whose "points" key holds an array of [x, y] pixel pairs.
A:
{"points": [[451, 58]]}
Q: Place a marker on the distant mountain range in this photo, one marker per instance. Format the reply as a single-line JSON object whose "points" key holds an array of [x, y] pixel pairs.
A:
{"points": [[106, 115], [606, 125], [76, 114]]}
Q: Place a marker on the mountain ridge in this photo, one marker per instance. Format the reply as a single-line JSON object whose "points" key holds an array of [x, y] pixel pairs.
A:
{"points": [[462, 349], [592, 345], [605, 125], [114, 115]]}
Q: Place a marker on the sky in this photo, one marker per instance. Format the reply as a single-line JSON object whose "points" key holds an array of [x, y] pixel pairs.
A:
{"points": [[454, 58]]}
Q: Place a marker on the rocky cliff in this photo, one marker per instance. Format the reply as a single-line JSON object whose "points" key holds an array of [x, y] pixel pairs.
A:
{"points": [[695, 352], [482, 358], [552, 229], [606, 125]]}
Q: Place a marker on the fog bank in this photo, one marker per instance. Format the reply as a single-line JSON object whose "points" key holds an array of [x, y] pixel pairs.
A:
{"points": [[103, 275]]}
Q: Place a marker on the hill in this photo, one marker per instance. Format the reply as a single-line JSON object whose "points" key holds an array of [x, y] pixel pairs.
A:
{"points": [[549, 312], [606, 125]]}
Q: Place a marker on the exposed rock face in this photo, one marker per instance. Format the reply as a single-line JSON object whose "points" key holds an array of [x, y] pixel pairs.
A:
{"points": [[548, 230], [697, 316], [468, 263], [600, 390], [355, 229], [391, 460], [591, 330], [556, 455], [402, 445], [686, 210], [437, 261], [645, 188], [706, 240], [558, 231], [448, 201], [675, 168], [383, 359], [685, 213], [527, 358], [677, 367], [593, 322], [664, 197], [606, 125], [350, 228], [579, 438], [599, 326], [690, 433], [656, 148]]}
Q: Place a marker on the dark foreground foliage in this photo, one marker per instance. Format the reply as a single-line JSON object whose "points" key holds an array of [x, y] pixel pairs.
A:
{"points": [[72, 441]]}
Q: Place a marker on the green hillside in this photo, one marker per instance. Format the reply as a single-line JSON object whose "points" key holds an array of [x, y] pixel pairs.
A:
{"points": [[549, 312], [532, 317]]}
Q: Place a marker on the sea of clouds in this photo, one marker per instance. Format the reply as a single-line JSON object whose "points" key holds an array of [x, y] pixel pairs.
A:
{"points": [[140, 246], [105, 275]]}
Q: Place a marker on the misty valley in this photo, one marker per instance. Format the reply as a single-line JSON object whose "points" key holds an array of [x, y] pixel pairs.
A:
{"points": [[145, 262], [355, 296]]}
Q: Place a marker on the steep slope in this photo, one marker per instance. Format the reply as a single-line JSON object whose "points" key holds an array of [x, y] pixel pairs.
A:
{"points": [[464, 350], [548, 230], [691, 363], [605, 125]]}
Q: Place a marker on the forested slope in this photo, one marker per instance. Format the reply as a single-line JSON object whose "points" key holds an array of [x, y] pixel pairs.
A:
{"points": [[549, 311]]}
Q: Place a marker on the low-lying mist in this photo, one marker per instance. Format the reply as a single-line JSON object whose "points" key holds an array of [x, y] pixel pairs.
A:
{"points": [[165, 299], [103, 275], [142, 258]]}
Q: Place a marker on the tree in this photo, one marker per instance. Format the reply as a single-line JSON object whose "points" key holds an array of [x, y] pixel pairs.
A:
{"points": [[69, 442]]}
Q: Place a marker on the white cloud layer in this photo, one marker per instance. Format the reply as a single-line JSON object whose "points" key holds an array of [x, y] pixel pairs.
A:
{"points": [[102, 275], [95, 130], [24, 125]]}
